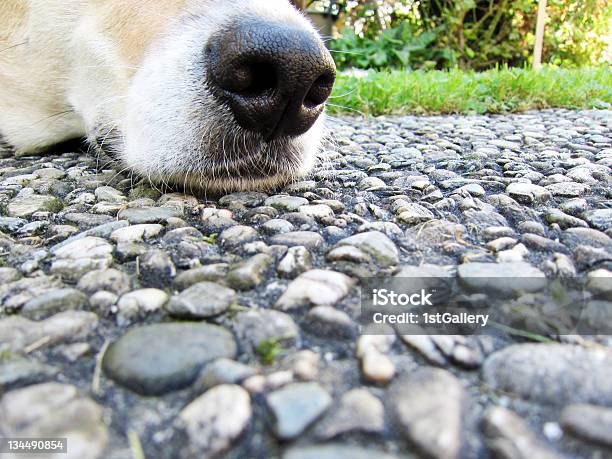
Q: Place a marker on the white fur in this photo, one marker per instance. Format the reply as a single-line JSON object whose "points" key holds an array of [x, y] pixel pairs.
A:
{"points": [[70, 80]]}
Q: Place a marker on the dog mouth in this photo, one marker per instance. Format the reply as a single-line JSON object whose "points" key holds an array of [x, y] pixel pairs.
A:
{"points": [[242, 161]]}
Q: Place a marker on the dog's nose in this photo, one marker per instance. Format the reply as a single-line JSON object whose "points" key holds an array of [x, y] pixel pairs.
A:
{"points": [[275, 77]]}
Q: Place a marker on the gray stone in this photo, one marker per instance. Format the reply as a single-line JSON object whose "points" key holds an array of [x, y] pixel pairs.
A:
{"points": [[139, 303], [358, 410], [308, 239], [505, 279], [243, 199], [80, 256], [18, 334], [586, 236], [202, 300], [223, 371], [334, 451], [209, 273], [563, 220], [295, 407], [11, 224], [156, 359], [375, 244], [139, 215], [255, 327], [136, 233], [428, 404], [568, 189], [237, 236], [17, 292], [23, 372], [412, 214], [156, 268], [600, 219], [277, 226], [286, 203], [54, 410], [528, 193], [509, 437], [26, 204], [315, 287], [552, 373], [295, 262], [111, 280], [329, 322], [214, 420], [589, 422], [53, 302], [250, 273]]}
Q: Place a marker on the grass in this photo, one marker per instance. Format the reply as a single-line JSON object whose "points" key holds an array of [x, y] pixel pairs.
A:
{"points": [[456, 91], [268, 350]]}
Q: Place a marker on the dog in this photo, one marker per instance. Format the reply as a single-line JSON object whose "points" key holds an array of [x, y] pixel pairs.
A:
{"points": [[216, 95]]}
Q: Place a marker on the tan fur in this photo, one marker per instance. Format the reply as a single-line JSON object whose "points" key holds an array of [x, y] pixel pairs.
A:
{"points": [[134, 24]]}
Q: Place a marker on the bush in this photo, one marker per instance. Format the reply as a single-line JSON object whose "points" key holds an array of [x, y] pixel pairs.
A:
{"points": [[477, 34]]}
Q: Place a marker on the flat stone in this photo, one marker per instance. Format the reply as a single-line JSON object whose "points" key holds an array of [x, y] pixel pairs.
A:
{"points": [[600, 219], [334, 451], [250, 273], [295, 407], [254, 327], [589, 422], [223, 371], [139, 215], [586, 236], [156, 359], [315, 287], [53, 302], [286, 203], [20, 372], [552, 373], [136, 233], [139, 303], [80, 256], [528, 193], [412, 214], [243, 199], [54, 410], [308, 239], [110, 280], [509, 437], [505, 279], [209, 273], [295, 262], [317, 211], [17, 292], [27, 204], [202, 300], [237, 236], [428, 404], [329, 322], [215, 419], [17, 333], [358, 411], [568, 189], [375, 244]]}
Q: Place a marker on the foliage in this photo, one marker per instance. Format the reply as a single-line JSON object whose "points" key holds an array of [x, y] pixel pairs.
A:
{"points": [[455, 91], [268, 350], [476, 34]]}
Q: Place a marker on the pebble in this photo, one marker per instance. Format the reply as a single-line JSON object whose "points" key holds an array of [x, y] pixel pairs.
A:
{"points": [[160, 358], [139, 303], [532, 371], [53, 302], [215, 419], [334, 451], [80, 256], [201, 301], [251, 273], [375, 244], [295, 262], [54, 410], [501, 278], [295, 407], [255, 327], [309, 239], [141, 215], [428, 404], [358, 410], [590, 422], [110, 280], [315, 287], [509, 437]]}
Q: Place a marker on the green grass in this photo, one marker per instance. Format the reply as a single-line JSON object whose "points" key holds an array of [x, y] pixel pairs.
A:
{"points": [[455, 91], [268, 350]]}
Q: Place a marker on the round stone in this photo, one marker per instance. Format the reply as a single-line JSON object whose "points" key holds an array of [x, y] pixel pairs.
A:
{"points": [[156, 359]]}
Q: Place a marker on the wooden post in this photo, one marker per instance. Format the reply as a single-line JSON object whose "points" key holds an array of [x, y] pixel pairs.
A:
{"points": [[539, 37]]}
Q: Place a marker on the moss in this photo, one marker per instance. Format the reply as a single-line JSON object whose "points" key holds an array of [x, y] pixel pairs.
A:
{"points": [[54, 206], [268, 350]]}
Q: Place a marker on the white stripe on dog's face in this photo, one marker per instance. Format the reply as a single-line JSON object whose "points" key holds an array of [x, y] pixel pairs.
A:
{"points": [[174, 128]]}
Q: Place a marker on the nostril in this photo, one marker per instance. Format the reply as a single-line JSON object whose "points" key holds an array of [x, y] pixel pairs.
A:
{"points": [[319, 91], [252, 79]]}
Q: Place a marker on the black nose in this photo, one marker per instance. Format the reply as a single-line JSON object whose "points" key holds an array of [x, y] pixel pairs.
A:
{"points": [[274, 77]]}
